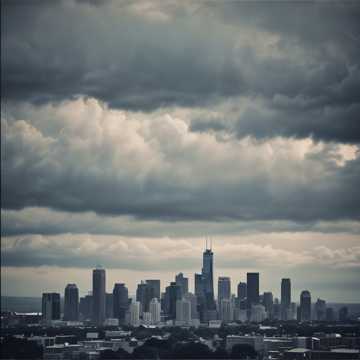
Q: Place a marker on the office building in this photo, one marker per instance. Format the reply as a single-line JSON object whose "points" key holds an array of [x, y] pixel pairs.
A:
{"points": [[172, 294], [241, 291], [305, 306], [320, 310], [182, 282], [50, 307], [155, 311], [208, 279], [194, 305], [135, 313], [109, 306], [85, 307], [143, 296], [183, 312], [226, 310], [258, 313], [71, 303], [99, 297], [330, 315], [200, 294], [252, 289], [120, 301], [343, 313], [285, 298], [224, 288], [268, 303], [154, 288]]}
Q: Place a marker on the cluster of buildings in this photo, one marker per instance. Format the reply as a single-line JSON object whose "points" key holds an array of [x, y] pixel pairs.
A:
{"points": [[178, 306]]}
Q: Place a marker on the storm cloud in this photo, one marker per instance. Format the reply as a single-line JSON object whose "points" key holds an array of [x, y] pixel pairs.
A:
{"points": [[302, 58]]}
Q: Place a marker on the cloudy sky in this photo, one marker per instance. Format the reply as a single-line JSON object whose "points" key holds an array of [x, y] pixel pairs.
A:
{"points": [[130, 131]]}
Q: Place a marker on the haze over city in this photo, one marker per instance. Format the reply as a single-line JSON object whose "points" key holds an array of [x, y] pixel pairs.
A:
{"points": [[133, 131]]}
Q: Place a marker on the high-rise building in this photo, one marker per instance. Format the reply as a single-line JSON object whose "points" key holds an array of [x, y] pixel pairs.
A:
{"points": [[86, 307], [120, 301], [226, 310], [330, 316], [99, 297], [320, 310], [183, 282], [224, 288], [71, 303], [208, 279], [135, 313], [172, 294], [268, 303], [252, 289], [183, 312], [154, 288], [109, 306], [343, 313], [143, 296], [285, 298], [305, 306], [241, 291], [50, 306], [194, 305], [155, 311]]}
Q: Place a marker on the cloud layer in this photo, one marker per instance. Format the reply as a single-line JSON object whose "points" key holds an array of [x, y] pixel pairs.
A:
{"points": [[82, 156]]}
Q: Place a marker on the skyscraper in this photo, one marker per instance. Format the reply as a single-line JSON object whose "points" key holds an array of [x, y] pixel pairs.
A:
{"points": [[155, 311], [285, 298], [99, 296], [109, 306], [172, 294], [208, 278], [86, 307], [183, 282], [252, 289], [154, 288], [183, 312], [50, 306], [135, 313], [120, 301], [268, 303], [305, 306], [241, 291], [320, 310], [143, 296], [224, 288], [226, 311], [194, 304], [71, 303]]}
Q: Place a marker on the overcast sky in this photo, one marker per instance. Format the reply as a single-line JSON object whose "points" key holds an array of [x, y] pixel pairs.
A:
{"points": [[133, 130]]}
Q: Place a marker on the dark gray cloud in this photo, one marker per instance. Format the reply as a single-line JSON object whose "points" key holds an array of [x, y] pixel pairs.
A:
{"points": [[147, 55], [82, 156]]}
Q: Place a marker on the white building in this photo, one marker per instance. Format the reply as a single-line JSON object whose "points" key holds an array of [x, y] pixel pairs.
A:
{"points": [[258, 313], [135, 313], [146, 318], [155, 311]]}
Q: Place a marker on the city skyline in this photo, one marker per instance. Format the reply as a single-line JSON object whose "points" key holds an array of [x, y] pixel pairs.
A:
{"points": [[178, 306], [269, 280], [154, 125]]}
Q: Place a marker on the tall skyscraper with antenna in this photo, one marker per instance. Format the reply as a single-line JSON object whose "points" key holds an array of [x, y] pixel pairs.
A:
{"points": [[208, 276]]}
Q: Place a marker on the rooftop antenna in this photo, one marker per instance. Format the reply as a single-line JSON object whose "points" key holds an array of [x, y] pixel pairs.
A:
{"points": [[210, 243]]}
